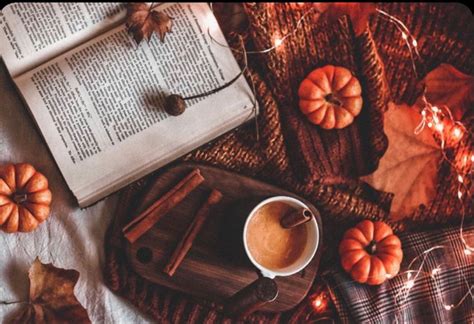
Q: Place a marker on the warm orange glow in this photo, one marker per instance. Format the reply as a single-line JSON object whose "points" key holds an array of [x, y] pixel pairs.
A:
{"points": [[319, 303], [278, 42], [457, 132]]}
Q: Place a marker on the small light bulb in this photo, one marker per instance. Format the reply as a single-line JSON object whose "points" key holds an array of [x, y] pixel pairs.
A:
{"points": [[318, 303], [410, 284], [404, 36], [430, 124], [423, 113], [460, 178], [414, 43], [448, 307], [439, 127], [467, 252], [435, 109], [278, 42], [457, 132], [459, 194]]}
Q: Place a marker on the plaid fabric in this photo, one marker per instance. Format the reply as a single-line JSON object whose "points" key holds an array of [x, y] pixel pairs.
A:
{"points": [[426, 301]]}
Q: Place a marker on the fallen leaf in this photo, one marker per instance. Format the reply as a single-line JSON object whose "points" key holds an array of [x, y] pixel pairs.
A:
{"points": [[448, 86], [143, 19], [52, 297], [358, 12], [409, 167]]}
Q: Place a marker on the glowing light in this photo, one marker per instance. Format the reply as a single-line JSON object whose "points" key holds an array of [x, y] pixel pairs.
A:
{"points": [[410, 284], [448, 307], [457, 132], [460, 178], [467, 252], [435, 271], [278, 42], [439, 127], [435, 109], [459, 194], [472, 158], [430, 124], [423, 113], [414, 43], [319, 303], [436, 119], [404, 36]]}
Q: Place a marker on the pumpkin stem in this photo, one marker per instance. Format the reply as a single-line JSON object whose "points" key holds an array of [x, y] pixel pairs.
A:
{"points": [[20, 198], [331, 98], [372, 247]]}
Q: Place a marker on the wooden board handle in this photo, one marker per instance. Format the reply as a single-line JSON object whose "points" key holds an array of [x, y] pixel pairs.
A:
{"points": [[251, 298]]}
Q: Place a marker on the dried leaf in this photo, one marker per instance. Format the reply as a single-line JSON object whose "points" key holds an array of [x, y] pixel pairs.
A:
{"points": [[52, 297], [358, 12], [143, 19], [448, 86], [409, 167]]}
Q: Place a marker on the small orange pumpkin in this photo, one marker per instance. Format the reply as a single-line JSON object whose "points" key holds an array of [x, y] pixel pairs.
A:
{"points": [[370, 252], [330, 97], [24, 198]]}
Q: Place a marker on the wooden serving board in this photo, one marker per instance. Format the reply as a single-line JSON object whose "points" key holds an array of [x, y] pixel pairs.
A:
{"points": [[216, 267]]}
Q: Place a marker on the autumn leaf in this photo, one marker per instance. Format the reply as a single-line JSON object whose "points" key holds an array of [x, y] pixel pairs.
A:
{"points": [[358, 12], [409, 167], [143, 19], [52, 297], [448, 86]]}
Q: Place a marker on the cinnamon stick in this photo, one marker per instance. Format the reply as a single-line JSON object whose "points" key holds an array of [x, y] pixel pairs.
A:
{"points": [[143, 222], [296, 218], [187, 240]]}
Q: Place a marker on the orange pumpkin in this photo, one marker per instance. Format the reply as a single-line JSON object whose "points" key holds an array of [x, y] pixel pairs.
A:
{"points": [[24, 198], [330, 97], [370, 252]]}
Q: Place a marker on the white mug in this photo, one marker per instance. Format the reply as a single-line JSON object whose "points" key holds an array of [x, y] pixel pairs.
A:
{"points": [[309, 251]]}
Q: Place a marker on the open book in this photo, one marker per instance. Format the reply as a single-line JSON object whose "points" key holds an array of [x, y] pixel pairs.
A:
{"points": [[98, 97]]}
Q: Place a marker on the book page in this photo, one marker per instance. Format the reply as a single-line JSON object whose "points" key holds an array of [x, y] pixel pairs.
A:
{"points": [[32, 33], [100, 105]]}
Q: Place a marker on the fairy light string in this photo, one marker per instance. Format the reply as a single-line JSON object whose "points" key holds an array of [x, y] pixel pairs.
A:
{"points": [[449, 131], [445, 128]]}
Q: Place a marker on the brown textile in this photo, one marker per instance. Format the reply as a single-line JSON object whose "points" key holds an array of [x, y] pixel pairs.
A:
{"points": [[323, 166]]}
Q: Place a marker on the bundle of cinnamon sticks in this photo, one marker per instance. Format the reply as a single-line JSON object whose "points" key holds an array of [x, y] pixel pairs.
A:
{"points": [[148, 218]]}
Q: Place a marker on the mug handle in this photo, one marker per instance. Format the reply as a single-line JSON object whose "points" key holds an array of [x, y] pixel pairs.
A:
{"points": [[249, 299]]}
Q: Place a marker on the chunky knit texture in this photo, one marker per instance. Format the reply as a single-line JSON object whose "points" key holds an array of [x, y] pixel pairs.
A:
{"points": [[323, 166]]}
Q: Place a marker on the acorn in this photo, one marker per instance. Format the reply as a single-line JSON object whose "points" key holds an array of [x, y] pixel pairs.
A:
{"points": [[175, 105]]}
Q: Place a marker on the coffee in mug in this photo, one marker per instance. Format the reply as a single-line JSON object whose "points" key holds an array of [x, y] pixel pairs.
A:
{"points": [[274, 249], [269, 243]]}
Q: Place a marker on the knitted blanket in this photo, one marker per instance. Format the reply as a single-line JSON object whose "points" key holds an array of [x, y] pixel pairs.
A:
{"points": [[322, 166]]}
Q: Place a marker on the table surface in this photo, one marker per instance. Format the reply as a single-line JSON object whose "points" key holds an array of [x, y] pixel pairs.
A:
{"points": [[71, 238]]}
